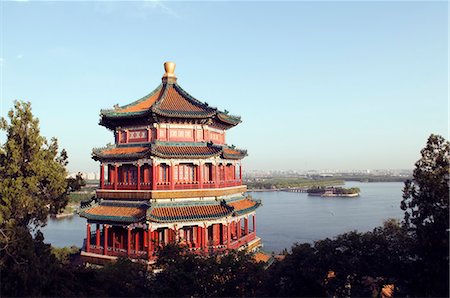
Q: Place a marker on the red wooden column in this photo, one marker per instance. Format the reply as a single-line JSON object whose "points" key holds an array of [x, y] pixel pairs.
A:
{"points": [[154, 176], [105, 239], [246, 226], [240, 171], [136, 241], [200, 175], [155, 238], [216, 234], [217, 175], [199, 237], [113, 238], [205, 235], [138, 176], [128, 241], [127, 135], [254, 223], [116, 176], [172, 176], [88, 237], [145, 239], [228, 235], [239, 229], [97, 236], [149, 243], [222, 239], [102, 175], [194, 237]]}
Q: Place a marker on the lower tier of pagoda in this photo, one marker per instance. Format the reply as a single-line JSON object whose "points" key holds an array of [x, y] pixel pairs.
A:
{"points": [[138, 229], [105, 241]]}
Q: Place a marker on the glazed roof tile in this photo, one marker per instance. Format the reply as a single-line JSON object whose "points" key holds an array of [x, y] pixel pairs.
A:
{"points": [[116, 212], [244, 206], [168, 150], [261, 257], [129, 212], [143, 104], [186, 151], [231, 153], [120, 152], [192, 211], [189, 213], [174, 101]]}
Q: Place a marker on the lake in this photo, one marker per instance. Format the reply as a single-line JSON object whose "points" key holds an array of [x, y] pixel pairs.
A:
{"points": [[285, 217]]}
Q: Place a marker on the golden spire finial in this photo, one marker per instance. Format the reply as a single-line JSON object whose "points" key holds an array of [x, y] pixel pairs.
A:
{"points": [[169, 67]]}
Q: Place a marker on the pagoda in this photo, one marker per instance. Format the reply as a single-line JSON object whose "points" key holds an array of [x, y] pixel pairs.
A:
{"points": [[170, 177]]}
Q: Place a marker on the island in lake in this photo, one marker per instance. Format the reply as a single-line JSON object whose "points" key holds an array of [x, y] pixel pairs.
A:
{"points": [[334, 192]]}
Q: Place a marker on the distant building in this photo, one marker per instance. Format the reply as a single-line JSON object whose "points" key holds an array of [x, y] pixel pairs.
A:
{"points": [[169, 177]]}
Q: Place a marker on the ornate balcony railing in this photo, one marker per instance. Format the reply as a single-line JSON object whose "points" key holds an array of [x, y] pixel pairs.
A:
{"points": [[186, 185], [127, 185], [167, 185], [209, 184], [108, 185], [146, 185], [229, 183], [235, 243], [163, 185]]}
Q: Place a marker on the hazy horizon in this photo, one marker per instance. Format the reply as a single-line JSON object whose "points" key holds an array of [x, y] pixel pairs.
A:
{"points": [[319, 85]]}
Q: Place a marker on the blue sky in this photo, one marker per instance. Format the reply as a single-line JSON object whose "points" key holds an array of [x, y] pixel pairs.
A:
{"points": [[319, 85]]}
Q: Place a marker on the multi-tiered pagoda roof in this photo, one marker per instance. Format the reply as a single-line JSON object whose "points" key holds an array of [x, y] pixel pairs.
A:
{"points": [[168, 102]]}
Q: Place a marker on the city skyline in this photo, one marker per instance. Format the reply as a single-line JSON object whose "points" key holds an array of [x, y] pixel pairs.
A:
{"points": [[328, 85]]}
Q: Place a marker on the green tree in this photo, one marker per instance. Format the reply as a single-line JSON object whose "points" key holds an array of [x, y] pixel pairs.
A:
{"points": [[77, 182], [187, 274], [32, 186], [426, 205]]}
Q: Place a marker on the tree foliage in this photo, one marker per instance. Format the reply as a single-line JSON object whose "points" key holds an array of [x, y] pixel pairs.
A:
{"points": [[353, 264], [32, 186], [426, 205], [32, 172], [76, 183], [187, 274]]}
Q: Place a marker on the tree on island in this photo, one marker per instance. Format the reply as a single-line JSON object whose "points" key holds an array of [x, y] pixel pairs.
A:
{"points": [[32, 186]]}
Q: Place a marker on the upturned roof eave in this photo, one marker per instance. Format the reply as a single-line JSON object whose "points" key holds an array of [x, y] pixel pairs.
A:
{"points": [[98, 155], [112, 218]]}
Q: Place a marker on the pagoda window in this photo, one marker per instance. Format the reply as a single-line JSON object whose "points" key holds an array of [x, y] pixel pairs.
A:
{"points": [[207, 172], [222, 173], [184, 173], [163, 173], [145, 173], [110, 174], [128, 174], [175, 173], [133, 174]]}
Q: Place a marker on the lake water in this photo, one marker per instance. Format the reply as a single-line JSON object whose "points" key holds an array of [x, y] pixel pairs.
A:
{"points": [[286, 218]]}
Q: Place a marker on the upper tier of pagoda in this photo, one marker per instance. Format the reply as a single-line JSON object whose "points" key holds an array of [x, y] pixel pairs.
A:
{"points": [[168, 103]]}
